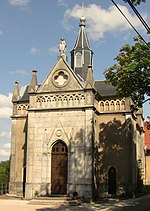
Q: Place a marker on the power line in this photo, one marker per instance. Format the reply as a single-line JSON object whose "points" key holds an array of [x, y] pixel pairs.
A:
{"points": [[139, 16], [129, 22]]}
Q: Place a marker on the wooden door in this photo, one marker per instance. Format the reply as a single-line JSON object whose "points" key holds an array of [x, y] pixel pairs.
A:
{"points": [[59, 168]]}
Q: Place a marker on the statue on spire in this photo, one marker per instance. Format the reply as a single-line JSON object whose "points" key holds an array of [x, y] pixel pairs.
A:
{"points": [[62, 47]]}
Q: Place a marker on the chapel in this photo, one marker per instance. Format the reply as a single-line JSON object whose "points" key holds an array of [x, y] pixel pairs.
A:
{"points": [[72, 133]]}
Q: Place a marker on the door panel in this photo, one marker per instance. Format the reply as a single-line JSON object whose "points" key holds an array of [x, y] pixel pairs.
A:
{"points": [[59, 168]]}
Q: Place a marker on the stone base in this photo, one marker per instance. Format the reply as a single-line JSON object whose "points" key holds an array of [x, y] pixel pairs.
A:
{"points": [[33, 190], [16, 188], [121, 190], [84, 191]]}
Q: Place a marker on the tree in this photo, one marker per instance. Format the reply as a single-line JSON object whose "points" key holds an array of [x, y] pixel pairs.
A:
{"points": [[131, 76], [4, 171]]}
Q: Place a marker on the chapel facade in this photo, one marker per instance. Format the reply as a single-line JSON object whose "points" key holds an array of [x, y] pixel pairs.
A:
{"points": [[72, 133]]}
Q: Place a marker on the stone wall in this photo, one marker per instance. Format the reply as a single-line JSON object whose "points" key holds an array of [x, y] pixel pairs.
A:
{"points": [[18, 154], [74, 128], [114, 148]]}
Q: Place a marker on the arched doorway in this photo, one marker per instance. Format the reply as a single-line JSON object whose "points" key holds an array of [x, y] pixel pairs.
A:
{"points": [[112, 180], [59, 167]]}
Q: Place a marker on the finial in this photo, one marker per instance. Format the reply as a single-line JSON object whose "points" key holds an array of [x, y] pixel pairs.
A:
{"points": [[82, 9], [16, 92], [90, 78], [34, 70], [33, 83], [82, 21]]}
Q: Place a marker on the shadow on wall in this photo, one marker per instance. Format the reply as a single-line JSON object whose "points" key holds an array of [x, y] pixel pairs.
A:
{"points": [[115, 148]]}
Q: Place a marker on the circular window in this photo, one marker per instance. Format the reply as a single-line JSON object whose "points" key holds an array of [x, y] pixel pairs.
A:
{"points": [[60, 78]]}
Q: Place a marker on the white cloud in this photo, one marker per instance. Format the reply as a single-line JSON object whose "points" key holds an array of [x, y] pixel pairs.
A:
{"points": [[6, 146], [20, 72], [5, 101], [53, 50], [5, 112], [5, 149], [62, 2], [5, 106], [100, 20], [3, 134], [19, 2], [1, 32], [34, 50], [4, 152]]}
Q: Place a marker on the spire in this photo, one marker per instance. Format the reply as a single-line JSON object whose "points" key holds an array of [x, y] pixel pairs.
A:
{"points": [[90, 78], [82, 40], [33, 84], [16, 94], [81, 55]]}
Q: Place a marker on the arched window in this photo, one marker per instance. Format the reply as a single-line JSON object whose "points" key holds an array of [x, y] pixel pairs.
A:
{"points": [[117, 105], [78, 59], [123, 105], [102, 106], [112, 106], [106, 106], [112, 180]]}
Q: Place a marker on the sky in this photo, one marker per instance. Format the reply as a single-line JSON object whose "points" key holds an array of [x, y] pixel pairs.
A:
{"points": [[30, 32]]}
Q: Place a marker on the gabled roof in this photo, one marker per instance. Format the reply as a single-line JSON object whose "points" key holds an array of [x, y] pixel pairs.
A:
{"points": [[24, 94], [105, 89], [61, 66]]}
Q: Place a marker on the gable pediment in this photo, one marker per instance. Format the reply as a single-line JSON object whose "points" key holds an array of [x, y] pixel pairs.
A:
{"points": [[61, 78]]}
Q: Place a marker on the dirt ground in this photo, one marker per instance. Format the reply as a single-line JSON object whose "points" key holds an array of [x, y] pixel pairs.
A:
{"points": [[16, 204]]}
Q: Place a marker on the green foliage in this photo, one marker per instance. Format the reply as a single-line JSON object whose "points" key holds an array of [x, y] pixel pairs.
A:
{"points": [[36, 194], [131, 74], [4, 171]]}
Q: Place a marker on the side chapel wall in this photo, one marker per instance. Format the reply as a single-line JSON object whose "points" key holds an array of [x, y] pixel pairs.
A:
{"points": [[114, 145], [18, 148]]}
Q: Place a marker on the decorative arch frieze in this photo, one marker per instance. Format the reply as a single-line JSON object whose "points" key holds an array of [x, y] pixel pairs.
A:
{"points": [[22, 109], [60, 100], [112, 105]]}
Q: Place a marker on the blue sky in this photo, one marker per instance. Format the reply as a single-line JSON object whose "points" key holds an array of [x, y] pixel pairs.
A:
{"points": [[30, 31]]}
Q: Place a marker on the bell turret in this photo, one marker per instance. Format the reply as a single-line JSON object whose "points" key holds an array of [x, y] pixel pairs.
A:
{"points": [[81, 55]]}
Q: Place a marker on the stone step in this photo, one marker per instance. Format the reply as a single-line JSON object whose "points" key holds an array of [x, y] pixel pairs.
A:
{"points": [[64, 200], [54, 197]]}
